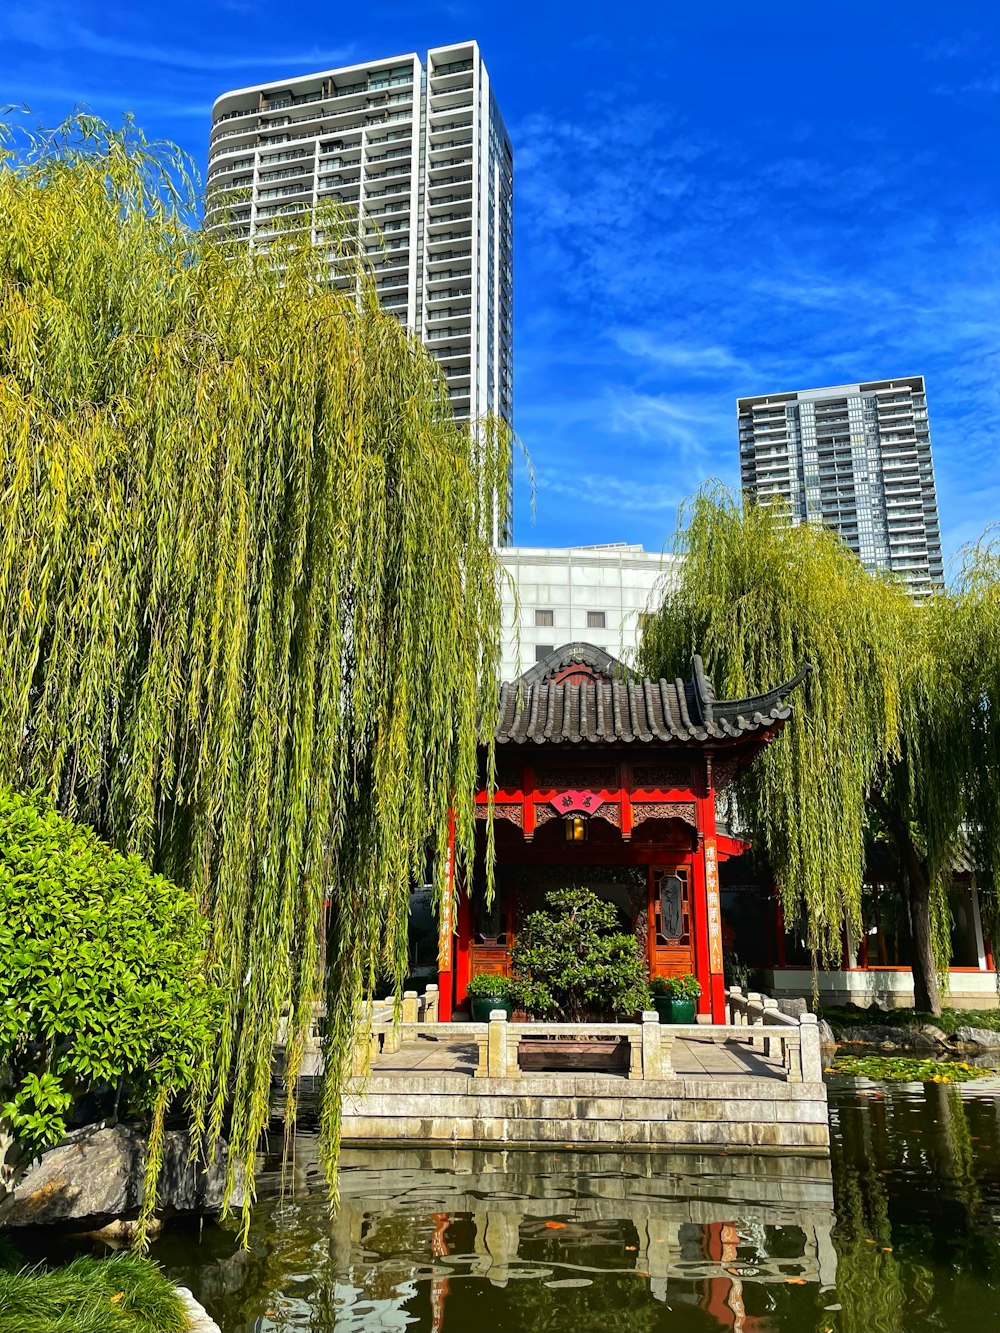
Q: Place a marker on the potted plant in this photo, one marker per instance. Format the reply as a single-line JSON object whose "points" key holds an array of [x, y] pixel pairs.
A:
{"points": [[659, 994], [489, 991], [573, 963], [683, 992]]}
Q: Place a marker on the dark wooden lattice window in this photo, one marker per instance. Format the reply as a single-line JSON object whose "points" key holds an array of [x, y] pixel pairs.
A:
{"points": [[672, 907]]}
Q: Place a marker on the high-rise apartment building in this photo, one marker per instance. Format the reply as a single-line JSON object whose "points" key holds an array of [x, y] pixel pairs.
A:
{"points": [[417, 151], [856, 458], [591, 594]]}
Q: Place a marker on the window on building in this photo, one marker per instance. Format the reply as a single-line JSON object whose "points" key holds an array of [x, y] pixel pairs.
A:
{"points": [[597, 620], [545, 618], [542, 651]]}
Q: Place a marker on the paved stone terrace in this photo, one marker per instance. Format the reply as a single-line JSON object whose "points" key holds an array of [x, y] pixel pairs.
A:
{"points": [[692, 1058], [721, 1094]]}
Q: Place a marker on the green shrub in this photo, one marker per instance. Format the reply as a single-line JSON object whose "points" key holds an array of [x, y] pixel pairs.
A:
{"points": [[572, 962], [687, 987], [104, 982], [483, 984], [124, 1294], [659, 986]]}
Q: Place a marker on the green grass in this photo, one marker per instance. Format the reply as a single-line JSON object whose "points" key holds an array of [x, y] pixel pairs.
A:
{"points": [[949, 1020], [900, 1068], [123, 1294]]}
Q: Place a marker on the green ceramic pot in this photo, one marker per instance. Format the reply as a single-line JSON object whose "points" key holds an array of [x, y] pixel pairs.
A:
{"points": [[681, 1011], [483, 1005], [662, 1005]]}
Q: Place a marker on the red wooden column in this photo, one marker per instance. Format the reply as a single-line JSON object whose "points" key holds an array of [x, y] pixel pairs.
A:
{"points": [[699, 924], [446, 926], [713, 906], [463, 946]]}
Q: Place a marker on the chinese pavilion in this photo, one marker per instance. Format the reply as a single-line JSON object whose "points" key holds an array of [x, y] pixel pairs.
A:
{"points": [[610, 781]]}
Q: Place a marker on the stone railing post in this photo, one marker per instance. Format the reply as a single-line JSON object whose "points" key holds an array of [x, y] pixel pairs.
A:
{"points": [[482, 1052], [770, 1008], [411, 1006], [735, 1013], [431, 999], [364, 1052], [755, 1017], [391, 1040], [496, 1059], [652, 1062], [666, 1052], [810, 1056]]}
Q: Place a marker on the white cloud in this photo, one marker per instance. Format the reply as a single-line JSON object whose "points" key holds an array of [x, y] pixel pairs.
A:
{"points": [[54, 28], [681, 355], [608, 490]]}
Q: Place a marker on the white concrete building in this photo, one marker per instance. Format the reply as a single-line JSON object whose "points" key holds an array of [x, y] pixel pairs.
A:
{"points": [[416, 149], [590, 594], [856, 458]]}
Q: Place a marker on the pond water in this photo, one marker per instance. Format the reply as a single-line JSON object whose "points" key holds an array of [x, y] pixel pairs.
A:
{"points": [[898, 1233]]}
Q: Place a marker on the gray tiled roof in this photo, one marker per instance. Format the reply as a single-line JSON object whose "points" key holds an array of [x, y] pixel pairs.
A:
{"points": [[621, 707]]}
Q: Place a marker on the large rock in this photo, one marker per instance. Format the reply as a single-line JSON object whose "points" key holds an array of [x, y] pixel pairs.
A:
{"points": [[826, 1035], [889, 1038], [983, 1039], [95, 1175]]}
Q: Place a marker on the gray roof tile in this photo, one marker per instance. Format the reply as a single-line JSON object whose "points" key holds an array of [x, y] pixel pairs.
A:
{"points": [[617, 706]]}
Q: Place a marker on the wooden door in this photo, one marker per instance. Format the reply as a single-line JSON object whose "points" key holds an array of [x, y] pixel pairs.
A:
{"points": [[492, 933], [671, 928]]}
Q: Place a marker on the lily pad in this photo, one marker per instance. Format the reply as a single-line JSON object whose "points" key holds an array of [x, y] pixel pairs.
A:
{"points": [[903, 1068]]}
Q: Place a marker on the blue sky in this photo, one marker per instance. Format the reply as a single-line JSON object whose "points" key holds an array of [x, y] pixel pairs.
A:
{"points": [[710, 200]]}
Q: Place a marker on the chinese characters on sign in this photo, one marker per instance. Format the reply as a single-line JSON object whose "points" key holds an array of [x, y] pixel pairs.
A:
{"points": [[714, 906], [577, 802], [445, 917]]}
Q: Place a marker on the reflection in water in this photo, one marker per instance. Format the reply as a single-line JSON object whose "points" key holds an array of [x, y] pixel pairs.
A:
{"points": [[438, 1241], [917, 1206]]}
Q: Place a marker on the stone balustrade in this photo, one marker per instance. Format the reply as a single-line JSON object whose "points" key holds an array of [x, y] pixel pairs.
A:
{"points": [[755, 1021]]}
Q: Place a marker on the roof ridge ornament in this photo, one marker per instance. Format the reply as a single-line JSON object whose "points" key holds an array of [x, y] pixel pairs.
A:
{"points": [[576, 654]]}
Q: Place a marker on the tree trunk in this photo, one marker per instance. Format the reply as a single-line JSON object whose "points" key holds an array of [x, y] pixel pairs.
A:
{"points": [[917, 889], [926, 993]]}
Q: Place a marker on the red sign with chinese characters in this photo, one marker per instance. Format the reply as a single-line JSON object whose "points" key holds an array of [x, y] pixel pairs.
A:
{"points": [[714, 906], [446, 907], [577, 802]]}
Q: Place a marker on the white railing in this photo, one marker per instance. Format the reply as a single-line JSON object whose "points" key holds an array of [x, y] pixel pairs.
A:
{"points": [[754, 1022]]}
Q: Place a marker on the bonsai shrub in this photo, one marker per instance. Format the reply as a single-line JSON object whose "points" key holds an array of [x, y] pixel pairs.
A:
{"points": [[687, 987], [104, 986], [572, 962], [484, 984]]}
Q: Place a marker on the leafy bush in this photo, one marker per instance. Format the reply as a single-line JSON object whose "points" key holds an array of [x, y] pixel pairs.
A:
{"points": [[104, 981], [483, 984], [687, 987], [659, 986], [949, 1020], [572, 962]]}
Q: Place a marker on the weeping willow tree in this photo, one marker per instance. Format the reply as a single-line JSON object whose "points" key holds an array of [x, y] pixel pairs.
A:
{"points": [[249, 607], [897, 729]]}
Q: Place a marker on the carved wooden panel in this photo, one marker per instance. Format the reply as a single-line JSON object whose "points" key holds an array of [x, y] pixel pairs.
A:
{"points": [[685, 810], [591, 777], [723, 772], [543, 813], [513, 812], [648, 774], [509, 775]]}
